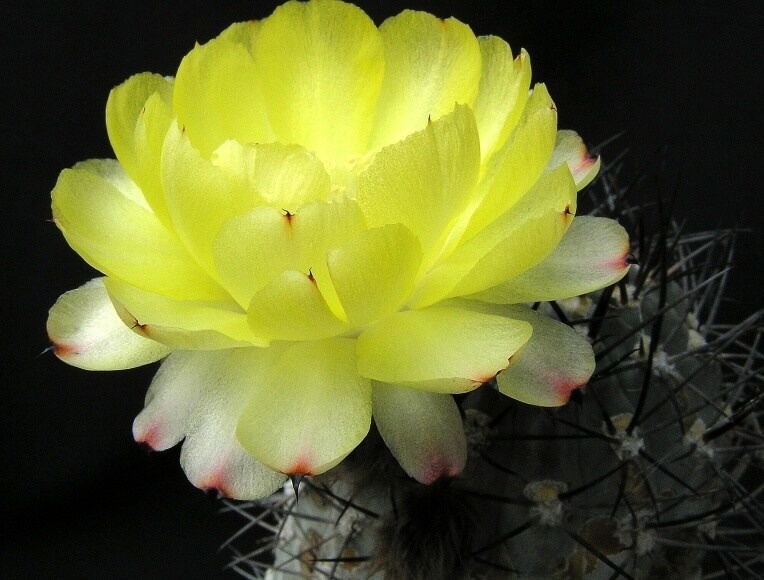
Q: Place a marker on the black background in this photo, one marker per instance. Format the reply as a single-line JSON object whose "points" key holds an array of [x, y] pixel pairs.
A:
{"points": [[78, 497]]}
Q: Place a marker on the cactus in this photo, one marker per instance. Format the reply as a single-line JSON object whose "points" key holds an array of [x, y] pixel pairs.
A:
{"points": [[652, 471]]}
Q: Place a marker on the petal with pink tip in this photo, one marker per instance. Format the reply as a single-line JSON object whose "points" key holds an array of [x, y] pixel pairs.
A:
{"points": [[569, 148], [593, 254], [439, 343], [422, 430], [211, 456], [552, 364], [176, 389], [86, 332], [311, 411]]}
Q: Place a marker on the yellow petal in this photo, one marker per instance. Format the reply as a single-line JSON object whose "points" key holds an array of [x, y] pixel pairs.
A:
{"points": [[218, 95], [95, 207], [181, 324], [425, 181], [515, 242], [291, 307], [311, 411], [202, 194], [430, 65], [439, 343], [374, 273], [254, 248], [138, 114], [517, 166], [320, 66], [593, 254], [87, 332], [422, 430], [503, 92]]}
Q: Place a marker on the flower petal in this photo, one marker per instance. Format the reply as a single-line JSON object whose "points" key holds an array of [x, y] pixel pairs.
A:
{"points": [[312, 410], [291, 307], [177, 387], [437, 343], [425, 181], [203, 193], [320, 66], [374, 273], [211, 455], [515, 168], [552, 364], [217, 93], [517, 241], [569, 148], [87, 333], [96, 208], [138, 114], [592, 254], [255, 247], [503, 92], [430, 65], [422, 430], [181, 324]]}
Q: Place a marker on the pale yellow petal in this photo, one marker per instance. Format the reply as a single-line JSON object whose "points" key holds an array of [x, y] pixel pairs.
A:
{"points": [[311, 411], [121, 237], [503, 92], [320, 66], [430, 65], [181, 324], [86, 332]]}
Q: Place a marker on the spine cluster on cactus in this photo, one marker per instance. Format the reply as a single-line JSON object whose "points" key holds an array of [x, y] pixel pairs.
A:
{"points": [[653, 471]]}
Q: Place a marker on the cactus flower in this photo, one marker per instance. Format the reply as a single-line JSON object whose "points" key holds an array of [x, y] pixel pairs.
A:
{"points": [[317, 223]]}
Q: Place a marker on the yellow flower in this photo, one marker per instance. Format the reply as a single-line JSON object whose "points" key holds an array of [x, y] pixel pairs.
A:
{"points": [[319, 221]]}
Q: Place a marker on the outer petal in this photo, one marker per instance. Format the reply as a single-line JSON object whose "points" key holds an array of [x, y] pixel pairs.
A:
{"points": [[320, 66], [211, 456], [217, 94], [374, 273], [425, 181], [517, 166], [503, 92], [436, 343], [175, 391], [101, 217], [87, 333], [569, 148], [422, 430], [138, 114], [592, 254], [553, 363], [430, 65], [517, 241], [181, 324], [312, 410]]}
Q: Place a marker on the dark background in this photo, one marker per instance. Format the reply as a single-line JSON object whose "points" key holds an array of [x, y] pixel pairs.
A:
{"points": [[78, 498]]}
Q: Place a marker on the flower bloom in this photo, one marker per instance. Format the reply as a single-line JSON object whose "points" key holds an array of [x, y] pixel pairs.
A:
{"points": [[318, 222]]}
